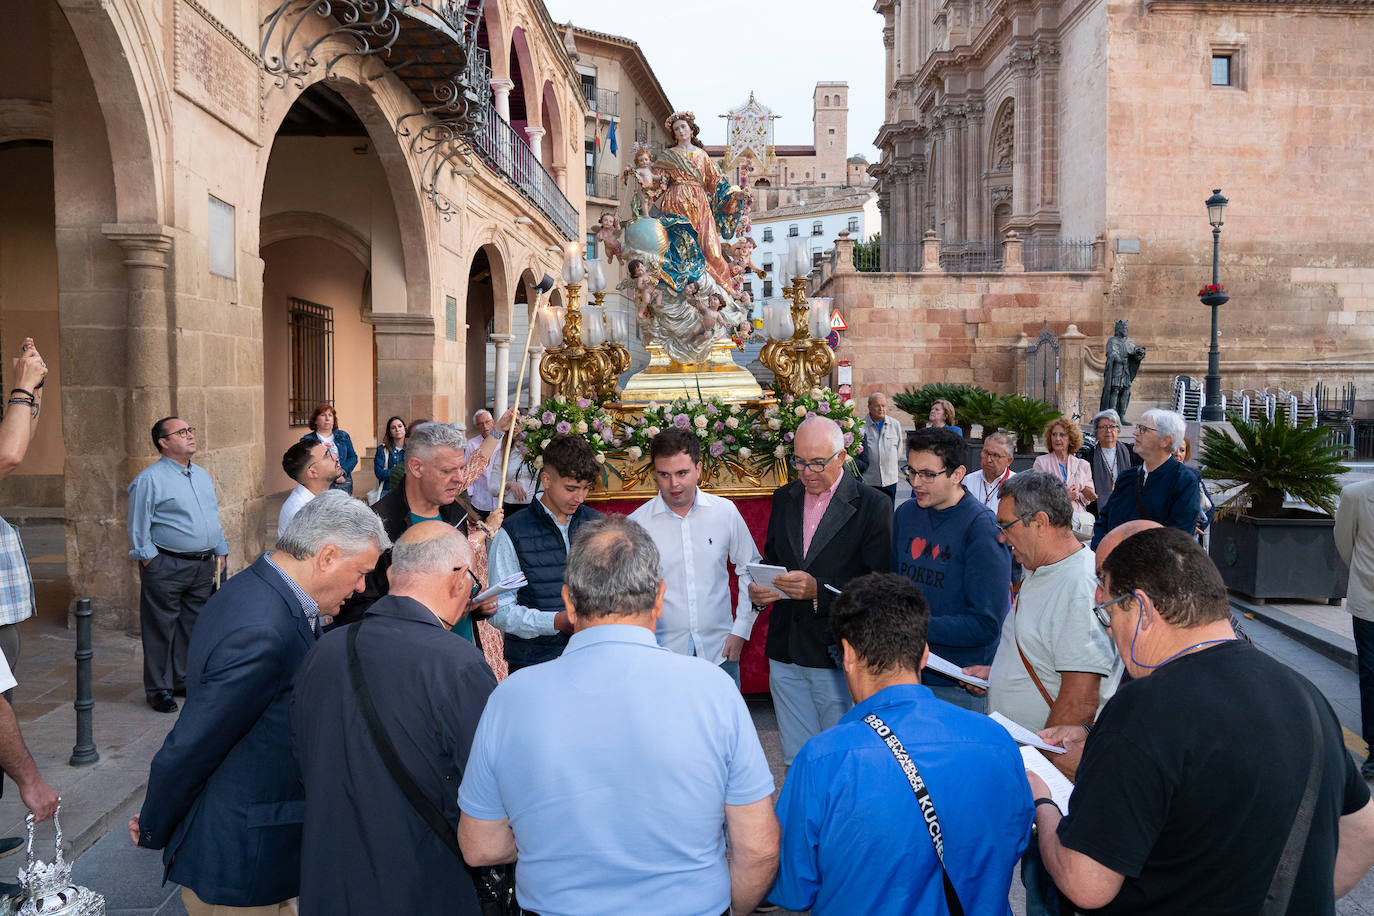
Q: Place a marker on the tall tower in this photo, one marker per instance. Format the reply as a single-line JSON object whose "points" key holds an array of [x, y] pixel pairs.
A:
{"points": [[830, 104]]}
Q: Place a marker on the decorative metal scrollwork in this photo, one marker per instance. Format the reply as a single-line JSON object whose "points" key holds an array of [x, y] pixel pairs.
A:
{"points": [[461, 109], [372, 25]]}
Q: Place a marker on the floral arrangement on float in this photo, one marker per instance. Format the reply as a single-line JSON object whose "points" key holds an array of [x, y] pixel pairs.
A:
{"points": [[558, 416], [727, 434], [776, 427]]}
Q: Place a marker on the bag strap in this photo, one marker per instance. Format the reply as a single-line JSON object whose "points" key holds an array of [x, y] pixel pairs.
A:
{"points": [[1286, 873], [1140, 492], [1035, 678], [923, 799], [423, 806]]}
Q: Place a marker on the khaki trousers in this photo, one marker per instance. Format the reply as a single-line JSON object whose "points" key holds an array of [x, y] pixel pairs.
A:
{"points": [[197, 907]]}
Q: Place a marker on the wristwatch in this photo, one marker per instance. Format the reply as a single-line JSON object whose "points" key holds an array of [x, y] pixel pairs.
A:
{"points": [[1047, 801]]}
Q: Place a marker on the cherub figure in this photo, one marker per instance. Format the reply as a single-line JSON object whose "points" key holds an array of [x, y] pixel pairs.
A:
{"points": [[647, 294], [712, 310], [744, 255], [650, 184], [608, 234]]}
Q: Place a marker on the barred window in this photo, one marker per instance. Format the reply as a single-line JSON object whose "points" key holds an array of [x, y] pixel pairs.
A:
{"points": [[450, 318], [312, 358]]}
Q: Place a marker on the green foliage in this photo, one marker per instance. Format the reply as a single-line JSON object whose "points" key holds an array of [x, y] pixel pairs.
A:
{"points": [[1025, 418], [868, 255], [918, 401], [979, 408], [1269, 458]]}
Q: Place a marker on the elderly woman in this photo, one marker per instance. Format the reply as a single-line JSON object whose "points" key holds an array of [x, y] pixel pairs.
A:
{"points": [[942, 415], [1064, 438], [324, 429], [1110, 457]]}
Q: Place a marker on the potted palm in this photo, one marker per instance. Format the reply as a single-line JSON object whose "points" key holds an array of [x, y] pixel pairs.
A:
{"points": [[1263, 548], [1024, 418]]}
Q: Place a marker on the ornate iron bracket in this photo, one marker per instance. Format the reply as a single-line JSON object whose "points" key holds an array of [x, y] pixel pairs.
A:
{"points": [[372, 25]]}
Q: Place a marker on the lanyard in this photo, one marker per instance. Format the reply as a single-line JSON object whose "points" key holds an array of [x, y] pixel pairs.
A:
{"points": [[990, 492]]}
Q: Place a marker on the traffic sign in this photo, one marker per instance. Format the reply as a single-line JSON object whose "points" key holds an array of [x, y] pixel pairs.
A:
{"points": [[836, 322], [833, 338]]}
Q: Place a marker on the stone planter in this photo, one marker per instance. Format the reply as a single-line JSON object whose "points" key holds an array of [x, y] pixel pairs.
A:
{"points": [[1292, 556]]}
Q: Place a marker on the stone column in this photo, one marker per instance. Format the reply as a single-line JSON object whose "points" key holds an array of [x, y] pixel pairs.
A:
{"points": [[930, 253], [1023, 198], [1018, 353], [534, 382], [500, 90], [975, 198], [1071, 371], [406, 383], [890, 71], [1047, 105], [536, 141], [502, 386], [949, 176], [844, 253], [885, 227]]}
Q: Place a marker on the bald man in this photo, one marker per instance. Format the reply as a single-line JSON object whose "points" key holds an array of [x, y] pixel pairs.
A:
{"points": [[428, 687]]}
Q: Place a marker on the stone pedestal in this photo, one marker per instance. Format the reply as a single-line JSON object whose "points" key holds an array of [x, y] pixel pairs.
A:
{"points": [[930, 253]]}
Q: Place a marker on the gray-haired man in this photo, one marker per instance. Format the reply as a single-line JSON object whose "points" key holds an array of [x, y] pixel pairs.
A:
{"points": [[882, 451], [1162, 489], [224, 802]]}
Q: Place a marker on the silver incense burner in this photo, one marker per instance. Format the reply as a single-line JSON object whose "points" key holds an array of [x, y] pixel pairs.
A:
{"points": [[48, 888]]}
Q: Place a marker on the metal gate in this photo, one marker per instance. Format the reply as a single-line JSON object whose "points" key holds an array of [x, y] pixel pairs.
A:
{"points": [[1042, 367]]}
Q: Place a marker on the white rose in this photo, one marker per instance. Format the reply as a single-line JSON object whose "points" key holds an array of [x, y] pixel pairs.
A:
{"points": [[699, 422], [561, 399], [532, 423], [600, 458], [849, 403], [653, 405], [849, 423], [635, 452], [745, 453], [774, 423], [780, 451], [799, 410], [539, 462], [702, 433], [652, 431], [731, 423], [734, 408], [816, 393], [581, 426]]}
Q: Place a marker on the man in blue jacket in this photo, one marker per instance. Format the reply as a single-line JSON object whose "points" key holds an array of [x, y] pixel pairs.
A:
{"points": [[1163, 489], [536, 540], [224, 802], [946, 543]]}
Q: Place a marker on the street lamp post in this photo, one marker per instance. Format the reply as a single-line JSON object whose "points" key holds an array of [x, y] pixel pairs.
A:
{"points": [[1211, 408]]}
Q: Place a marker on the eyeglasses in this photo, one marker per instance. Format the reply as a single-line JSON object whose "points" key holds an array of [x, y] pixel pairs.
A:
{"points": [[1002, 529], [1105, 427], [924, 476], [476, 586], [1100, 610], [183, 432], [987, 454], [1142, 428], [816, 465]]}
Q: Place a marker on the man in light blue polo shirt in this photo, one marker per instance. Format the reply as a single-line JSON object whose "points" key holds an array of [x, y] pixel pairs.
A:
{"points": [[619, 768]]}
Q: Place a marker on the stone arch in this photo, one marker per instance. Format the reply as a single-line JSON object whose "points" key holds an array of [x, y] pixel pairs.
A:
{"points": [[1001, 148], [487, 298], [497, 41], [503, 286], [529, 77], [115, 42], [378, 111], [555, 149], [295, 224]]}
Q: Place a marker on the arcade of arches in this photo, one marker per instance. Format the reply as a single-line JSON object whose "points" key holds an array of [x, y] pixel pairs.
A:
{"points": [[176, 225]]}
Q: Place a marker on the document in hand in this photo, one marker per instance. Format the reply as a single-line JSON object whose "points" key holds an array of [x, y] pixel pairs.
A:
{"points": [[1024, 735], [763, 574], [949, 669], [1059, 785], [512, 583]]}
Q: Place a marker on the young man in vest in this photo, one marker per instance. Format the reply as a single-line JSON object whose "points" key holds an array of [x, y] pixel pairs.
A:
{"points": [[536, 540]]}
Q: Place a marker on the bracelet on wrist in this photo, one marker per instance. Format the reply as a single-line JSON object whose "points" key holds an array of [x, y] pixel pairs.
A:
{"points": [[22, 391], [1047, 801]]}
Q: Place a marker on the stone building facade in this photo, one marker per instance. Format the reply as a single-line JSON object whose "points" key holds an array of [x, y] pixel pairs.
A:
{"points": [[1106, 121], [197, 208], [821, 164]]}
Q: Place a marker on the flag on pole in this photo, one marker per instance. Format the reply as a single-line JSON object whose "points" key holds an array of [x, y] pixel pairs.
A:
{"points": [[596, 135], [615, 148]]}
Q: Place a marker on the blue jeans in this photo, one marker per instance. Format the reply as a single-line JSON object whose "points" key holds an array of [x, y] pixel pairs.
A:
{"points": [[1364, 651], [960, 697], [807, 702], [1042, 897]]}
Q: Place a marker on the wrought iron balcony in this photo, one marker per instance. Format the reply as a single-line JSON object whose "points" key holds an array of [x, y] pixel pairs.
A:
{"points": [[600, 184], [602, 101], [641, 130], [507, 154]]}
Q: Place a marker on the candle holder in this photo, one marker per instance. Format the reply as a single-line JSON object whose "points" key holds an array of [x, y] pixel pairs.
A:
{"points": [[799, 362]]}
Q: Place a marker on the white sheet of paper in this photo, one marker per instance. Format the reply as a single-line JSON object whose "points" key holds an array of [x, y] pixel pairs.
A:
{"points": [[512, 583], [763, 574], [1060, 787], [1024, 735], [949, 669]]}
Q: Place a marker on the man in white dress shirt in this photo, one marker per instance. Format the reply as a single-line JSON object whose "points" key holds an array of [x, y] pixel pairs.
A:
{"points": [[313, 467], [697, 534], [986, 486], [482, 492]]}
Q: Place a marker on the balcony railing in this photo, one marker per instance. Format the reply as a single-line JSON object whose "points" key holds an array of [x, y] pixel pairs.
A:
{"points": [[599, 184], [641, 130], [971, 257], [979, 256], [602, 101], [508, 155], [1058, 254]]}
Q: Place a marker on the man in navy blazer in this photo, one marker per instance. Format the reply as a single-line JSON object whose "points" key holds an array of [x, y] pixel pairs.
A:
{"points": [[224, 801], [1163, 489], [826, 528]]}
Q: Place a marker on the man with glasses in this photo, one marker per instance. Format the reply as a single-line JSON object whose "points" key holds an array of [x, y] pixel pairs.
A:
{"points": [[825, 528], [175, 535], [1109, 457], [429, 687], [1162, 489], [314, 468], [1217, 781], [946, 543], [986, 485]]}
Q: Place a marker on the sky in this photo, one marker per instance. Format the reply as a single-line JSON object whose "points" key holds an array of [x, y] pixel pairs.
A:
{"points": [[709, 54]]}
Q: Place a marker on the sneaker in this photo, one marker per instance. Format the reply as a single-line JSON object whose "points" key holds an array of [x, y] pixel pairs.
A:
{"points": [[10, 845]]}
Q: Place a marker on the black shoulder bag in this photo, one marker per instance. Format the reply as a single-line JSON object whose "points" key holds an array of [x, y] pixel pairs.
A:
{"points": [[923, 799], [495, 885]]}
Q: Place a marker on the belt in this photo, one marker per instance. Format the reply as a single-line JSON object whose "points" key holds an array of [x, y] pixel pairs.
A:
{"points": [[198, 555]]}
